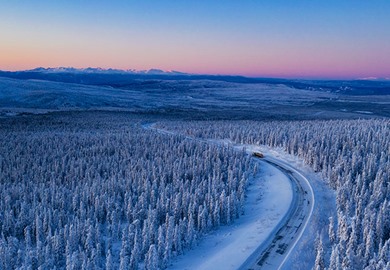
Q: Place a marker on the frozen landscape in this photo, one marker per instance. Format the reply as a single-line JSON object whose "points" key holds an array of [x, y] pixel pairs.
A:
{"points": [[161, 176], [188, 97], [195, 135]]}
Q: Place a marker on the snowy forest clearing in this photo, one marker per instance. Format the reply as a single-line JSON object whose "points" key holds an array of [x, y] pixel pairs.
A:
{"points": [[269, 198]]}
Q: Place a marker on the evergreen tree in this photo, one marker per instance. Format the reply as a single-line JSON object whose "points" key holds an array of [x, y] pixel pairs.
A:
{"points": [[151, 261], [319, 262]]}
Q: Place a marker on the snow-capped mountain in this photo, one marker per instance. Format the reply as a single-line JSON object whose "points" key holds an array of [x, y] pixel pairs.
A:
{"points": [[104, 71]]}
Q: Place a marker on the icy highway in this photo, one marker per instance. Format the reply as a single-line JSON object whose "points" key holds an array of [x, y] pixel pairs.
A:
{"points": [[275, 250]]}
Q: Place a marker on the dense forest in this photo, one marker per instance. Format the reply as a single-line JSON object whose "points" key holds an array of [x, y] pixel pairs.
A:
{"points": [[88, 191], [353, 156], [97, 191]]}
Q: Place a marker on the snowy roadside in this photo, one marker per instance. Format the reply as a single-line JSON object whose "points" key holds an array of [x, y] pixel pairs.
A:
{"points": [[268, 200], [303, 255]]}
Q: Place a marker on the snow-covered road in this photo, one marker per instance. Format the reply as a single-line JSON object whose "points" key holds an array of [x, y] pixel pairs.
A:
{"points": [[268, 232], [273, 253]]}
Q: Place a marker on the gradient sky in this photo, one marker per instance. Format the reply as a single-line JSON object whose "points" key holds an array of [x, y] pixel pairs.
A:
{"points": [[304, 39]]}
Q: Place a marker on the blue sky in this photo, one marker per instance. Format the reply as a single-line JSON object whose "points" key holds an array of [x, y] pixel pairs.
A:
{"points": [[329, 39]]}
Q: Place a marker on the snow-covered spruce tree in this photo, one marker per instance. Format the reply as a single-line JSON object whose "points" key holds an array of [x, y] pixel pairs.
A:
{"points": [[319, 263]]}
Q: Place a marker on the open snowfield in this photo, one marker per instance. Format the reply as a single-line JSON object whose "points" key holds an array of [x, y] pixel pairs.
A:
{"points": [[269, 198], [194, 99]]}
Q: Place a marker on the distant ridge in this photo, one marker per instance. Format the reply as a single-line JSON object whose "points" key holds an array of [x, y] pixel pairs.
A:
{"points": [[104, 71], [118, 78], [101, 76]]}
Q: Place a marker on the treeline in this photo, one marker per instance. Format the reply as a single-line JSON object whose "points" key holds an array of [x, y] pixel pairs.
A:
{"points": [[353, 156], [100, 192]]}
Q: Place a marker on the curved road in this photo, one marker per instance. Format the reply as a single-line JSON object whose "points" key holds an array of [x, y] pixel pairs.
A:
{"points": [[276, 249]]}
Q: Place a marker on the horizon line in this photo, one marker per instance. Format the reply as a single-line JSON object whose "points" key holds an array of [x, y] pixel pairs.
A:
{"points": [[182, 73]]}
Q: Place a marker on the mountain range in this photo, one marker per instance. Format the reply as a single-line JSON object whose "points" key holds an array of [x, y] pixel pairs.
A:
{"points": [[104, 71]]}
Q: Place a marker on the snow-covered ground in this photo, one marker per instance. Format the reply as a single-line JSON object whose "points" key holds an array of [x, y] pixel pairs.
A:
{"points": [[269, 198], [303, 255]]}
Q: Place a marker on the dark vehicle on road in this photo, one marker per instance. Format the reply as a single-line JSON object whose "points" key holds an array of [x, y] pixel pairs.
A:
{"points": [[258, 154]]}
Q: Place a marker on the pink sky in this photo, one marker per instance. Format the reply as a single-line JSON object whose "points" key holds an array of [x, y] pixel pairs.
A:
{"points": [[317, 40]]}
